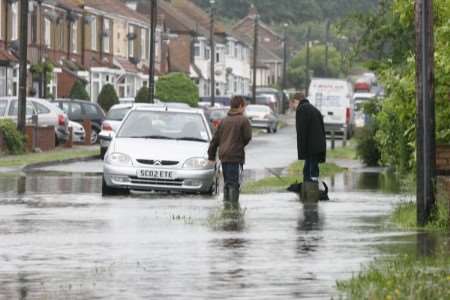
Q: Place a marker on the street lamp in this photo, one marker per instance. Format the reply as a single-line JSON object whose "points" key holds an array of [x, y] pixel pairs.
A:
{"points": [[151, 69], [213, 54]]}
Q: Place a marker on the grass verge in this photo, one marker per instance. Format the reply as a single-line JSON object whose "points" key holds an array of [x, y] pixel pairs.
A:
{"points": [[56, 155], [401, 277], [275, 184], [405, 214]]}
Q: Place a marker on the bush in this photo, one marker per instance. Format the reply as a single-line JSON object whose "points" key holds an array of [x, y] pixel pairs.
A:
{"points": [[366, 145], [177, 87], [108, 97], [78, 91], [142, 95], [14, 140]]}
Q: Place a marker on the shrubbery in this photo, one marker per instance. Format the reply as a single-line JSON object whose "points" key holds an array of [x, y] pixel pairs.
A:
{"points": [[78, 91], [366, 148], [142, 95], [14, 140], [177, 87], [107, 97]]}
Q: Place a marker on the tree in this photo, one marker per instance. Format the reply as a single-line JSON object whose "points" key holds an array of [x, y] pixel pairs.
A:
{"points": [[142, 95], [108, 97], [78, 91], [177, 87], [297, 67]]}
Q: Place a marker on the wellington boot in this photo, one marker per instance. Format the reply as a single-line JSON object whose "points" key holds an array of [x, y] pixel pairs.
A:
{"points": [[227, 197], [234, 196]]}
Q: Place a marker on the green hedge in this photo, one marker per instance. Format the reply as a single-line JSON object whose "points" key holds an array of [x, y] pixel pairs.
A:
{"points": [[142, 95], [14, 140], [78, 91], [107, 97], [177, 87]]}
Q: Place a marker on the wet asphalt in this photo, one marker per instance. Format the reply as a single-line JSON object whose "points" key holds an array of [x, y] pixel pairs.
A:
{"points": [[60, 239]]}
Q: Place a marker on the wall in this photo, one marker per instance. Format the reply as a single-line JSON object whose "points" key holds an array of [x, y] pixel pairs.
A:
{"points": [[443, 159], [45, 138]]}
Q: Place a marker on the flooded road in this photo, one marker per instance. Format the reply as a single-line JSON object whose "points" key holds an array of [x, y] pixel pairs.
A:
{"points": [[60, 239]]}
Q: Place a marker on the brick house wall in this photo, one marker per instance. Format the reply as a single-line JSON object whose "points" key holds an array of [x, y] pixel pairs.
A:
{"points": [[180, 52], [443, 158]]}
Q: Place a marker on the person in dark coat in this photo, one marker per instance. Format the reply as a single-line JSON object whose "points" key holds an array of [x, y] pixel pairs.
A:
{"points": [[311, 138]]}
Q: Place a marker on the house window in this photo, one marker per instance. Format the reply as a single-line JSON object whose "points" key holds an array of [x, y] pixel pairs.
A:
{"points": [[207, 53], [61, 35], [143, 43], [218, 57], [14, 21], [106, 36], [236, 49], [94, 34], [196, 50], [231, 48], [47, 34], [131, 41], [74, 37]]}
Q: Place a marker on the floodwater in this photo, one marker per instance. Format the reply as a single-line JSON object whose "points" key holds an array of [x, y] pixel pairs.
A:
{"points": [[60, 239]]}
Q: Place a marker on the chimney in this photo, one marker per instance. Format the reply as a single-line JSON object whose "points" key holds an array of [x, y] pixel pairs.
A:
{"points": [[253, 11], [132, 5]]}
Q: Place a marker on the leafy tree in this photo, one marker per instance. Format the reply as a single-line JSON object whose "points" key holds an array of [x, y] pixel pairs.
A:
{"points": [[297, 68], [390, 39], [177, 87], [142, 95], [107, 97], [78, 91]]}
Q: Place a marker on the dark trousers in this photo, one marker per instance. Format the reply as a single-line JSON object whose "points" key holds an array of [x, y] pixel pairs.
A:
{"points": [[231, 173], [311, 170]]}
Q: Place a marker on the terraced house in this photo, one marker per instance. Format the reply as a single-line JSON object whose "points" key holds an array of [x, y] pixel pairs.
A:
{"points": [[97, 42]]}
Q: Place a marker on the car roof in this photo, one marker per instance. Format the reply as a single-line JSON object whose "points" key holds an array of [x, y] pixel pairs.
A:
{"points": [[163, 107], [74, 100], [257, 106]]}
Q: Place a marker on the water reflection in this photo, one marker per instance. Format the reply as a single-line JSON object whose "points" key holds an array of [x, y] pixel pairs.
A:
{"points": [[309, 222], [374, 181]]}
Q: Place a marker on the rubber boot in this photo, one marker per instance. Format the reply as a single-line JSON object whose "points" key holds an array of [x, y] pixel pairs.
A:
{"points": [[310, 192], [234, 196], [227, 197]]}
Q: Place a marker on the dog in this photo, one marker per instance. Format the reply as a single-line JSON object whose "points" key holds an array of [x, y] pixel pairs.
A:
{"points": [[297, 187]]}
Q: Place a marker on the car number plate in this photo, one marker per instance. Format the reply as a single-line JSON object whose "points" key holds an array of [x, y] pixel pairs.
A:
{"points": [[161, 174]]}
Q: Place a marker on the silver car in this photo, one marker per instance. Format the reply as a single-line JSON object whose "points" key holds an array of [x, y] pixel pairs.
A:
{"points": [[111, 124], [159, 148], [262, 116], [48, 115]]}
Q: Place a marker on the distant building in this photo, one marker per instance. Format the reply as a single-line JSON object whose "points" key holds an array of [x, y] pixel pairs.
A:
{"points": [[270, 49]]}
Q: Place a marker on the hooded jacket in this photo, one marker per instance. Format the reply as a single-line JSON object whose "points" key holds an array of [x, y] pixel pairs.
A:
{"points": [[311, 138], [233, 134]]}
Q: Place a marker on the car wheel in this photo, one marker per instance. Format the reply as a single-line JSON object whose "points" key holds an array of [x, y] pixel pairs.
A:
{"points": [[56, 140], [269, 130], [103, 152], [275, 129], [111, 191], [94, 136]]}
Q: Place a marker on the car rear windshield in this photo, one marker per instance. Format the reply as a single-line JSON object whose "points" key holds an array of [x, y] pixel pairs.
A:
{"points": [[257, 109], [3, 106], [117, 114], [164, 125]]}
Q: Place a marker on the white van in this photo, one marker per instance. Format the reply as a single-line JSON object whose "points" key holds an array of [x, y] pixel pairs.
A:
{"points": [[334, 99]]}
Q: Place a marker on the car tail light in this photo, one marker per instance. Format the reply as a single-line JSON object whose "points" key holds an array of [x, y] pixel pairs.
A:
{"points": [[61, 120], [347, 115], [106, 126], [216, 123]]}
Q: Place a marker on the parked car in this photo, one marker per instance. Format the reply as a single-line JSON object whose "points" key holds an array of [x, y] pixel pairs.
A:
{"points": [[111, 124], [278, 102], [48, 115], [138, 156], [334, 99], [361, 119], [80, 110], [224, 100], [78, 133], [262, 116]]}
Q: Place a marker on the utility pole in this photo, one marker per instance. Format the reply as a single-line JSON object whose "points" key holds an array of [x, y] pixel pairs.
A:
{"points": [[308, 37], [285, 58], [425, 126], [285, 41], [255, 58], [213, 54], [327, 41], [151, 69], [22, 104]]}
